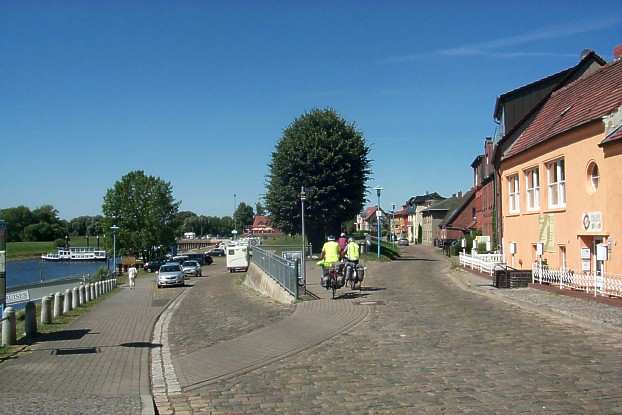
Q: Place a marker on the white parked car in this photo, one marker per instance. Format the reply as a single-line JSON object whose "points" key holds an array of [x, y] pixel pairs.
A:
{"points": [[191, 268], [170, 274]]}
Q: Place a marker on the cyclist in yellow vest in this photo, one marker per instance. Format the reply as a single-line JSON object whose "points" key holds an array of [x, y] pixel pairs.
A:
{"points": [[329, 256], [352, 251]]}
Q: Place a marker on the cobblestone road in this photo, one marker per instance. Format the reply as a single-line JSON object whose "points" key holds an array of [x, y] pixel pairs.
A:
{"points": [[434, 348]]}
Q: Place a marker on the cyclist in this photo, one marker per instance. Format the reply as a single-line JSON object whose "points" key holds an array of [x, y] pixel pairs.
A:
{"points": [[329, 256]]}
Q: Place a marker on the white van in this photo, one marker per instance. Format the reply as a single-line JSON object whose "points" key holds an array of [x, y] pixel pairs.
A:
{"points": [[237, 257]]}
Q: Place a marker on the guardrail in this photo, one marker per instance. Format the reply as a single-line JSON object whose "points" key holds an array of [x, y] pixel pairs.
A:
{"points": [[283, 271], [486, 263], [599, 284]]}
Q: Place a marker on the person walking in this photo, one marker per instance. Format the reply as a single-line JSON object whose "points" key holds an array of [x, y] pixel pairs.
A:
{"points": [[131, 274]]}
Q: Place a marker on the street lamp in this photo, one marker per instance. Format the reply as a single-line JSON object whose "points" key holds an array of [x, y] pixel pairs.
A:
{"points": [[393, 235], [303, 197], [235, 220], [378, 191], [114, 248]]}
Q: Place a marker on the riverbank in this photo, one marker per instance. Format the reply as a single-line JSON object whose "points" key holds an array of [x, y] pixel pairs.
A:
{"points": [[31, 250]]}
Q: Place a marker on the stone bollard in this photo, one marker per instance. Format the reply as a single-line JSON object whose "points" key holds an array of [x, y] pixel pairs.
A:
{"points": [[75, 301], [58, 306], [98, 291], [30, 320], [46, 310], [93, 291], [87, 292], [9, 337], [67, 302], [81, 294]]}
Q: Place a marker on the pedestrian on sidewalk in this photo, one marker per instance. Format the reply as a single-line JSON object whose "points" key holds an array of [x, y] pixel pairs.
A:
{"points": [[131, 274]]}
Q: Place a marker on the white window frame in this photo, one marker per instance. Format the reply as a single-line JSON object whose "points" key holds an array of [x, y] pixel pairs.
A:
{"points": [[532, 192], [514, 193], [594, 178], [559, 185]]}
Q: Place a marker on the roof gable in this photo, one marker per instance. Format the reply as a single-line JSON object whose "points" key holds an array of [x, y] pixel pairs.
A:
{"points": [[578, 103]]}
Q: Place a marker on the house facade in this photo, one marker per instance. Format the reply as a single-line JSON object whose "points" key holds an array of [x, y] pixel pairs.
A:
{"points": [[415, 207], [432, 218], [262, 225], [366, 221], [561, 179]]}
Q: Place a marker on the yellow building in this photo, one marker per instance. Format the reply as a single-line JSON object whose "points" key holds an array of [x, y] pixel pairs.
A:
{"points": [[561, 180]]}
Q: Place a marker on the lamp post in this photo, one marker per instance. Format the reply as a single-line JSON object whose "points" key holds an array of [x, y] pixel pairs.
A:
{"points": [[3, 238], [378, 191], [235, 221], [303, 197], [114, 249], [393, 235]]}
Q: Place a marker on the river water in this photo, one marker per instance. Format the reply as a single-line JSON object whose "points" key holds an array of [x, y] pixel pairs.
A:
{"points": [[29, 271]]}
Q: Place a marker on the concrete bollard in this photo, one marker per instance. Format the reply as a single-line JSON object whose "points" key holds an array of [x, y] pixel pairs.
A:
{"points": [[58, 306], [30, 320], [81, 294], [75, 302], [46, 310], [9, 337], [93, 291], [87, 293], [67, 302], [97, 289]]}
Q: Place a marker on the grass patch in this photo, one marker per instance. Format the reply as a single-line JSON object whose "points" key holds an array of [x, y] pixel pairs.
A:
{"points": [[21, 250], [387, 250], [24, 250]]}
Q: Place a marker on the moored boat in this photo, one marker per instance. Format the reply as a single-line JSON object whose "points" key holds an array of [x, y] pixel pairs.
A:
{"points": [[76, 254]]}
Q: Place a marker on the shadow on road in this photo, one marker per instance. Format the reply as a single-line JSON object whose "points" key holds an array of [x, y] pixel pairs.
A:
{"points": [[372, 289], [148, 345], [351, 295], [62, 335]]}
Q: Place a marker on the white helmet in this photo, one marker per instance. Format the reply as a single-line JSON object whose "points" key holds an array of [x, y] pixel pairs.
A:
{"points": [[330, 238], [343, 234]]}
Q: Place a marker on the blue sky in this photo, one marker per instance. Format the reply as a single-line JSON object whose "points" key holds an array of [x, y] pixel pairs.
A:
{"points": [[198, 93]]}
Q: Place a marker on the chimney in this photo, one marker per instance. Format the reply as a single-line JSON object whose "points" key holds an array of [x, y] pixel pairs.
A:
{"points": [[585, 52], [617, 52]]}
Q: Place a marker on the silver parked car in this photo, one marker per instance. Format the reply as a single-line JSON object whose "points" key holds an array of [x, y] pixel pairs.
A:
{"points": [[170, 274], [192, 268]]}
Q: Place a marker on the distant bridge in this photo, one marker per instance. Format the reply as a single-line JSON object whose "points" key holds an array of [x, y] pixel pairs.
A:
{"points": [[184, 245]]}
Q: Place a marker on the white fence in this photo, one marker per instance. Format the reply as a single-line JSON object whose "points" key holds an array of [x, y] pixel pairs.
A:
{"points": [[599, 284], [482, 262]]}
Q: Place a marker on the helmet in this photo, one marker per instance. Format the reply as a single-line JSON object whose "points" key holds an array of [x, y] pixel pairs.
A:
{"points": [[343, 234], [350, 239], [330, 238]]}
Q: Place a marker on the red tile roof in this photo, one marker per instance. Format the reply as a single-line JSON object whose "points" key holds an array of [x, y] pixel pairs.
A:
{"points": [[580, 102], [262, 221]]}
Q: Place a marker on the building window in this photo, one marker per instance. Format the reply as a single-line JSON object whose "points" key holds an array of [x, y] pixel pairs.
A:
{"points": [[514, 192], [533, 189], [562, 258], [593, 177], [557, 184]]}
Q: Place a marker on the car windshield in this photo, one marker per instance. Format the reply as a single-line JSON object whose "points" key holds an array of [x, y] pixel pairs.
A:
{"points": [[169, 268], [190, 263]]}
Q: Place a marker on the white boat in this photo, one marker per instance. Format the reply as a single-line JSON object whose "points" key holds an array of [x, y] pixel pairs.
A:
{"points": [[76, 254]]}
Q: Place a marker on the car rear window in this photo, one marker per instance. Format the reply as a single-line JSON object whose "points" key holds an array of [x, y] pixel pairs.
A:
{"points": [[170, 268], [190, 263]]}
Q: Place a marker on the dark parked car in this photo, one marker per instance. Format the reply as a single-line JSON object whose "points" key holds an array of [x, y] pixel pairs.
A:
{"points": [[217, 252], [402, 242], [203, 259], [153, 266]]}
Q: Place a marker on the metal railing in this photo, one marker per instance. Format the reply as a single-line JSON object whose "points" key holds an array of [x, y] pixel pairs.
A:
{"points": [[598, 284], [487, 263], [283, 271]]}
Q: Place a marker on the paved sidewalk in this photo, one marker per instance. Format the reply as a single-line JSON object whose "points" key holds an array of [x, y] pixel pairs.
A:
{"points": [[106, 368], [582, 311]]}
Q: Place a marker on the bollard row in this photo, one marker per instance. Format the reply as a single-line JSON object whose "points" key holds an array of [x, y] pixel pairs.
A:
{"points": [[52, 307]]}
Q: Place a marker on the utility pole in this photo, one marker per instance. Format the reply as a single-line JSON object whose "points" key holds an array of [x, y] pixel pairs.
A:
{"points": [[378, 215], [235, 221], [114, 249], [303, 197]]}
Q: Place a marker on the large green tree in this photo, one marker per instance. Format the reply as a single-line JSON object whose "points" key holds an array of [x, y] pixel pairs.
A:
{"points": [[328, 155], [17, 218], [243, 216], [144, 209]]}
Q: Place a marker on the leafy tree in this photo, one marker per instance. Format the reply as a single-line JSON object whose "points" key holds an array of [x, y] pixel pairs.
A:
{"points": [[144, 209], [260, 209], [419, 234], [43, 232], [243, 216], [17, 218], [328, 155]]}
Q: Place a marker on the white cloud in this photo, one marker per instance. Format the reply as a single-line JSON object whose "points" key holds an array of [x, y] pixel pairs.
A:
{"points": [[494, 47]]}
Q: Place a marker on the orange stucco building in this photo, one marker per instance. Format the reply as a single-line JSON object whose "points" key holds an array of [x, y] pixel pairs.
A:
{"points": [[561, 179]]}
